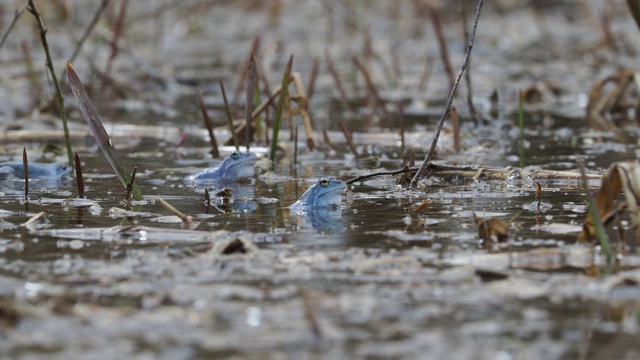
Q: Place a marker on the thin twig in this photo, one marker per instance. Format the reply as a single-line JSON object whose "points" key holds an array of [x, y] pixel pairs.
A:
{"points": [[13, 22], [467, 75], [467, 55], [117, 34], [89, 29], [60, 100], [381, 173]]}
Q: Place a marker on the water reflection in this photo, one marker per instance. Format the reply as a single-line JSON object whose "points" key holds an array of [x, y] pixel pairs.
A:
{"points": [[324, 220]]}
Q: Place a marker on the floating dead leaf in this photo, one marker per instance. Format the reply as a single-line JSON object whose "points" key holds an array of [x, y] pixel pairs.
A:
{"points": [[622, 175], [492, 229], [421, 208]]}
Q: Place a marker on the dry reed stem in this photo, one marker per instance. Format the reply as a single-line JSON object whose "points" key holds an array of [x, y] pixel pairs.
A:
{"points": [[250, 92], [232, 129], [79, 179], [370, 85], [303, 102], [255, 45], [118, 30], [336, 79], [347, 136], [186, 219], [467, 55], [311, 86], [467, 74], [442, 43], [207, 123], [89, 29]]}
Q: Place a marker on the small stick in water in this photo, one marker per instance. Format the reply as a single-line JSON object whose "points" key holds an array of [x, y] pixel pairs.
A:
{"points": [[186, 219]]}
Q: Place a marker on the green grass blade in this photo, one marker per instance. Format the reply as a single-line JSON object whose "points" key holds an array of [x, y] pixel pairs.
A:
{"points": [[284, 92], [91, 116]]}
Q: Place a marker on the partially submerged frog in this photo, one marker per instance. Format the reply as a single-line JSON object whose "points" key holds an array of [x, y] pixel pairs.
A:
{"points": [[326, 193], [48, 171], [235, 166]]}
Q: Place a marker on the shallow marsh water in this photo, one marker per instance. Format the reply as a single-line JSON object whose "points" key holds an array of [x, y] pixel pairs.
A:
{"points": [[373, 280]]}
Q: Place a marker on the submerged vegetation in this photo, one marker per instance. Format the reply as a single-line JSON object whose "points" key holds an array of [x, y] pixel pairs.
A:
{"points": [[515, 237]]}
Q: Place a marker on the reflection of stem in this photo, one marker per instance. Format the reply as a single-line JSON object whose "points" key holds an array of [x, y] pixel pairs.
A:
{"points": [[426, 160], [60, 101]]}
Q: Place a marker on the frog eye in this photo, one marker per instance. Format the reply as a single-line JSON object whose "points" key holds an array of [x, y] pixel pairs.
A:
{"points": [[235, 155], [324, 182]]}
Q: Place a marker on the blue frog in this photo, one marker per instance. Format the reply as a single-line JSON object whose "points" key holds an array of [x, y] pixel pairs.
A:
{"points": [[326, 193], [235, 166], [48, 171]]}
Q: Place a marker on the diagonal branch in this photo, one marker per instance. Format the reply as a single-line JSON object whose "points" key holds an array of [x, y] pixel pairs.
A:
{"points": [[450, 101]]}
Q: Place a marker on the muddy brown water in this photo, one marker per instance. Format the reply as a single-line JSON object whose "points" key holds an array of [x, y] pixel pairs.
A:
{"points": [[99, 279]]}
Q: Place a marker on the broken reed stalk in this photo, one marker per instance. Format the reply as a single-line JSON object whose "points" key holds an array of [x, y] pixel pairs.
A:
{"points": [[25, 168], [255, 45], [59, 99], [79, 179], [207, 123], [370, 85], [442, 43], [284, 93], [603, 240], [467, 55], [521, 126], [117, 34], [311, 86], [234, 136], [16, 16], [252, 80], [186, 219]]}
